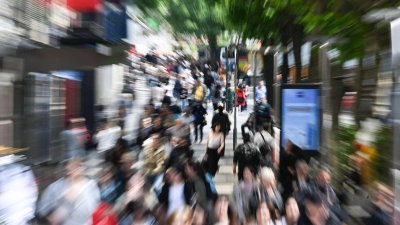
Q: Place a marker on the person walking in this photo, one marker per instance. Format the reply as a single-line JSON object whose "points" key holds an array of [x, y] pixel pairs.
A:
{"points": [[200, 90], [199, 113], [222, 118], [265, 143], [209, 82], [230, 98], [261, 91], [246, 154], [216, 96], [241, 98], [215, 144]]}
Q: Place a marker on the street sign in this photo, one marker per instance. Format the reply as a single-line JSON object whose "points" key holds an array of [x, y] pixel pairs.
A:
{"points": [[300, 116]]}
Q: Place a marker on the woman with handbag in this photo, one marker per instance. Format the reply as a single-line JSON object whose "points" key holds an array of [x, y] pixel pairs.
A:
{"points": [[215, 145]]}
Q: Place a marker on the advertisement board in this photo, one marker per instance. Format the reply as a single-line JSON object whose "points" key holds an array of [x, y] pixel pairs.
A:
{"points": [[300, 116]]}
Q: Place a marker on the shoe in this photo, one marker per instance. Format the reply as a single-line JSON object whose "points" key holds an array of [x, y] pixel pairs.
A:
{"points": [[195, 141], [200, 141]]}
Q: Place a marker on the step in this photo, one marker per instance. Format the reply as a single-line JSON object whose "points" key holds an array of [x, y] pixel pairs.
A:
{"points": [[225, 178], [94, 162], [224, 189]]}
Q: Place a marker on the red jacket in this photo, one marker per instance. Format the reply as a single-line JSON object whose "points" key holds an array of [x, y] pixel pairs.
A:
{"points": [[240, 95]]}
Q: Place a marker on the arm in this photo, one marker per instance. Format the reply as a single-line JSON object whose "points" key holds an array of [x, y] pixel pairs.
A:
{"points": [[222, 143]]}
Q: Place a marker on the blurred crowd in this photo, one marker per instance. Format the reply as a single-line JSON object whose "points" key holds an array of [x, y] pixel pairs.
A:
{"points": [[158, 180]]}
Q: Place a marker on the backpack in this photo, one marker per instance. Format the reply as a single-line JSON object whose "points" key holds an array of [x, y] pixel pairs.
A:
{"points": [[266, 153], [249, 152]]}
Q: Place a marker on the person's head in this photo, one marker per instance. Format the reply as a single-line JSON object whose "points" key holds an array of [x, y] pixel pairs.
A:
{"points": [[267, 177], [75, 168], [120, 146], [174, 140], [156, 140], [243, 83], [216, 127], [264, 99], [127, 160], [107, 174], [183, 216], [261, 83], [175, 174], [179, 124], [263, 213], [198, 103], [199, 81], [208, 72], [315, 205], [221, 207], [188, 110], [249, 173], [301, 168], [292, 212], [220, 107], [229, 85], [183, 142], [138, 208], [146, 122], [323, 176], [157, 122]]}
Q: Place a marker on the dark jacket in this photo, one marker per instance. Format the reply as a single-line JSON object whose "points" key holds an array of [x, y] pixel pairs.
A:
{"points": [[178, 156], [223, 120], [163, 198]]}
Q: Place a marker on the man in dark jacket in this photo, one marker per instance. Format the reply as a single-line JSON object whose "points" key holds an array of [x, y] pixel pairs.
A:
{"points": [[246, 154], [224, 121], [179, 154]]}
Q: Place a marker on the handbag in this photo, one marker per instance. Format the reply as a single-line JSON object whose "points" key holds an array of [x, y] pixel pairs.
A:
{"points": [[204, 123], [266, 159]]}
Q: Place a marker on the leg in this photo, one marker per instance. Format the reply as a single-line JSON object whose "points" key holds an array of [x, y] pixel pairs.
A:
{"points": [[201, 132], [195, 131]]}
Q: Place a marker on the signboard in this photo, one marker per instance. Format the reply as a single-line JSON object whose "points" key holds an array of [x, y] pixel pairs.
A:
{"points": [[300, 116], [68, 74]]}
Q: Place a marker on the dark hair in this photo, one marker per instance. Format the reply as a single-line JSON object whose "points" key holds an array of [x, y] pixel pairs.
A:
{"points": [[271, 209], [314, 198], [246, 138], [265, 126], [217, 91], [215, 125]]}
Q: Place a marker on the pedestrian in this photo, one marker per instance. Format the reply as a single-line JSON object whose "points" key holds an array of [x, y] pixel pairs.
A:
{"points": [[179, 155], [184, 97], [292, 212], [243, 190], [199, 113], [246, 93], [269, 192], [73, 148], [265, 143], [241, 98], [316, 211], [246, 154], [200, 90], [154, 160], [72, 199], [224, 215], [222, 117], [265, 215], [176, 193], [230, 98], [261, 91], [178, 87], [216, 96], [124, 172], [215, 144], [209, 82], [182, 216]]}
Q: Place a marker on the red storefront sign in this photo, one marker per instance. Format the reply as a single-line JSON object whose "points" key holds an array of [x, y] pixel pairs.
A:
{"points": [[83, 5]]}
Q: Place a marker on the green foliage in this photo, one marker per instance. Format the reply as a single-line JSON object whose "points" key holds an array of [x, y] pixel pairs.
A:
{"points": [[382, 162], [344, 138]]}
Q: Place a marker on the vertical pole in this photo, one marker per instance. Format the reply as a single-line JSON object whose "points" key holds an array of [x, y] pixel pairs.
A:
{"points": [[235, 116], [325, 97], [227, 72], [254, 91], [395, 116]]}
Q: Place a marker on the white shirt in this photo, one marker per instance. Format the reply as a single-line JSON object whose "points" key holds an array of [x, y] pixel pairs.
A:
{"points": [[258, 140], [187, 120], [107, 138], [176, 198], [158, 94]]}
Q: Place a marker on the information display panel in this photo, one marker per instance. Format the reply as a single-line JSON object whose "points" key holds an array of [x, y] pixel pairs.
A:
{"points": [[301, 116]]}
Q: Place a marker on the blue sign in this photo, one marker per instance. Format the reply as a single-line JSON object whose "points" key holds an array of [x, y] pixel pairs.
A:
{"points": [[115, 26], [68, 74], [301, 117]]}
